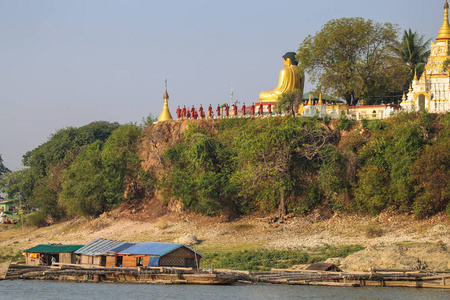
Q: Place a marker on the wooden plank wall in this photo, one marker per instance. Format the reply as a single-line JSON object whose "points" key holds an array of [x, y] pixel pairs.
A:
{"points": [[86, 259], [32, 261], [110, 261], [129, 261], [65, 258]]}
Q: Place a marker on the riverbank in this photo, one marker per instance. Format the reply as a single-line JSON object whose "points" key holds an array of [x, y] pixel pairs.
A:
{"points": [[391, 240]]}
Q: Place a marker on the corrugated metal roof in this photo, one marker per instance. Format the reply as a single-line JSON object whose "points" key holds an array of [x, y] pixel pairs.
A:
{"points": [[102, 246], [53, 248], [154, 248]]}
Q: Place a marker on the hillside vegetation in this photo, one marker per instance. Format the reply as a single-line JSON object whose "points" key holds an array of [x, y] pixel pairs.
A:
{"points": [[233, 167]]}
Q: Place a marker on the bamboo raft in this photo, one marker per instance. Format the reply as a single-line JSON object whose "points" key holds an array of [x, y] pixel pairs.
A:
{"points": [[385, 278], [150, 275], [172, 275]]}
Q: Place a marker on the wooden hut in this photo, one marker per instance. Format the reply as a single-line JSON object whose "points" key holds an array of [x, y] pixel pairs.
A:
{"points": [[323, 267], [42, 254], [160, 255], [96, 252]]}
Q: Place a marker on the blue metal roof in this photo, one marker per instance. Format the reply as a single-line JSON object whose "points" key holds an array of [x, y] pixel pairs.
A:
{"points": [[102, 246], [155, 249]]}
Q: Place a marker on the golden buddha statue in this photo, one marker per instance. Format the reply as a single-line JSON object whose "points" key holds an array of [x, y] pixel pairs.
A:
{"points": [[290, 79]]}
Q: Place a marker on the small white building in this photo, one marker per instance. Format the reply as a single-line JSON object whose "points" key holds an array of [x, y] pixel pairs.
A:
{"points": [[372, 112]]}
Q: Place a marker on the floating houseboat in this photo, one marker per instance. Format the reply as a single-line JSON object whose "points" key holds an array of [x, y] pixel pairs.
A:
{"points": [[157, 255], [42, 255]]}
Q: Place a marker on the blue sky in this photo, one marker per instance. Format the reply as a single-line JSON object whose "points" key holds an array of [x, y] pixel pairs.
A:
{"points": [[68, 63]]}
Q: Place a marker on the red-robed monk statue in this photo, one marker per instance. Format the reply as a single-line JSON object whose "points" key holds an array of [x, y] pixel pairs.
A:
{"points": [[210, 111], [201, 112], [218, 110]]}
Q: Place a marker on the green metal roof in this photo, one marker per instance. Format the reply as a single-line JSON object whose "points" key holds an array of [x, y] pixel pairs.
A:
{"points": [[315, 96], [53, 248]]}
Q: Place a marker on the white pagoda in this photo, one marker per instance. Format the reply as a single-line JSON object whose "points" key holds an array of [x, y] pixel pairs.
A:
{"points": [[432, 91]]}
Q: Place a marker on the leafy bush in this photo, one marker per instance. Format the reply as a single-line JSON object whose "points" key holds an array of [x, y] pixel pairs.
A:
{"points": [[345, 123], [38, 219], [264, 259]]}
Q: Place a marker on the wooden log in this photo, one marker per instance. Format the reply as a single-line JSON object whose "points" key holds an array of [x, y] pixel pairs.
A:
{"points": [[402, 271], [339, 284], [4, 267]]}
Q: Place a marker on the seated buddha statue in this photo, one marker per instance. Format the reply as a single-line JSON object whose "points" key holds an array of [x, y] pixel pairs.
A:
{"points": [[290, 79]]}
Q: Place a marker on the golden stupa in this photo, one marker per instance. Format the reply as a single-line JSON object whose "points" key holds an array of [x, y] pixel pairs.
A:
{"points": [[165, 114], [444, 32]]}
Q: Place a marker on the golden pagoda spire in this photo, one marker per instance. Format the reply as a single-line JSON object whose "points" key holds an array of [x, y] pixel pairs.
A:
{"points": [[444, 32], [310, 99], [415, 74], [165, 114], [404, 96], [320, 99]]}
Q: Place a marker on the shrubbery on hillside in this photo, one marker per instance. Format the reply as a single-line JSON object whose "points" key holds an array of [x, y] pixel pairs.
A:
{"points": [[238, 166], [299, 164]]}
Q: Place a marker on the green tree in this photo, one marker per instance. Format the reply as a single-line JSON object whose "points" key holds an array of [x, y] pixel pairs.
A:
{"points": [[149, 120], [10, 183], [83, 189], [199, 174], [275, 157], [332, 176], [103, 174], [123, 174], [3, 169], [372, 189], [66, 140], [354, 59], [431, 174], [49, 159], [288, 101], [414, 52]]}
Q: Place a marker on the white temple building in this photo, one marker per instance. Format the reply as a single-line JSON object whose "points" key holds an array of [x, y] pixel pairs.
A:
{"points": [[432, 91]]}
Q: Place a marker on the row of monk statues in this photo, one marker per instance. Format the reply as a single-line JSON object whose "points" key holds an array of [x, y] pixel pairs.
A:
{"points": [[290, 79], [224, 111]]}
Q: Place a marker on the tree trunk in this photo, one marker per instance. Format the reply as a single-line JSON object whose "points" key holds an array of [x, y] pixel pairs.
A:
{"points": [[282, 205]]}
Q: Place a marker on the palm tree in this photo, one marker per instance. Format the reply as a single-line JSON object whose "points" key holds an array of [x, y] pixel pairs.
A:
{"points": [[414, 52]]}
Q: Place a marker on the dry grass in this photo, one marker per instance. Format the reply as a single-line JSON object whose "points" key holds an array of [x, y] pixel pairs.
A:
{"points": [[242, 227], [374, 231], [162, 224]]}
